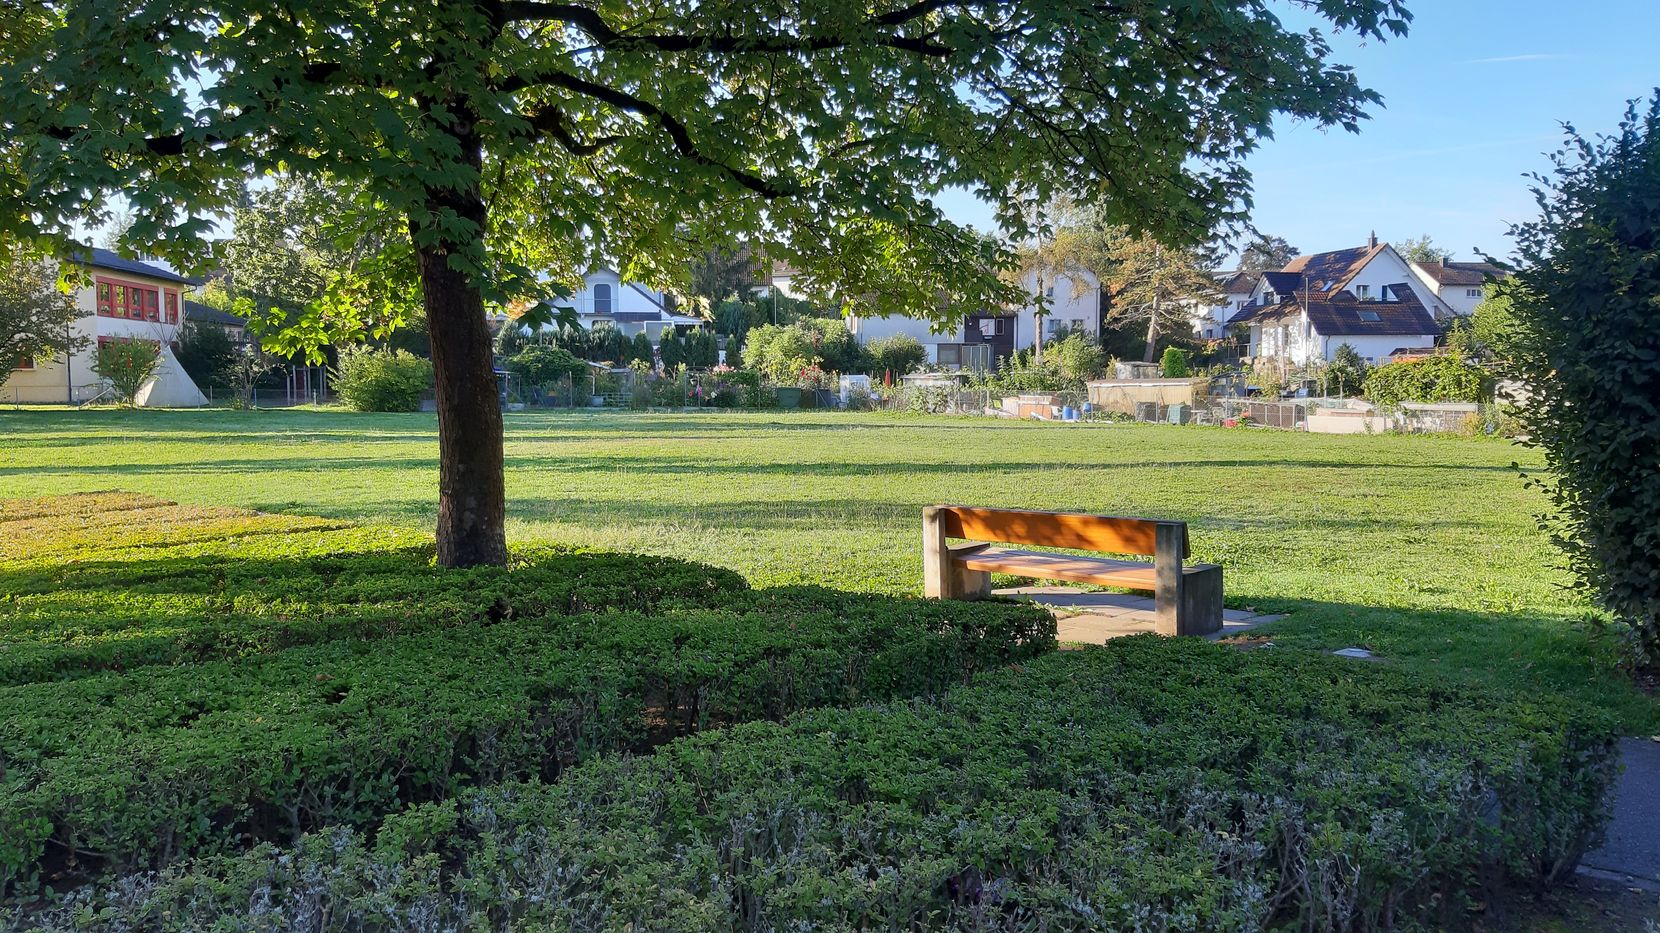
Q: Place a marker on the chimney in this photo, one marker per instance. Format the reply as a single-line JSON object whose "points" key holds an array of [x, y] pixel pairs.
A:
{"points": [[1373, 242]]}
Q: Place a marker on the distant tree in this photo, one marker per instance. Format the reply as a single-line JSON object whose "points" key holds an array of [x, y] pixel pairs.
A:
{"points": [[36, 316], [1265, 253], [1421, 250], [896, 355], [671, 349], [720, 274], [640, 350], [208, 356], [487, 141], [114, 235], [1498, 333], [1583, 295], [127, 364], [1154, 286]]}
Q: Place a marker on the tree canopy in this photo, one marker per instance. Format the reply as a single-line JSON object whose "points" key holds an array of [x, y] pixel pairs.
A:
{"points": [[1266, 253], [1422, 249], [514, 140], [36, 316]]}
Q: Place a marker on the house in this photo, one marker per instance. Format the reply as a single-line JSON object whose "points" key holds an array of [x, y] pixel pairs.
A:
{"points": [[1460, 285], [201, 315], [1364, 271], [121, 299], [628, 306], [1296, 329], [1210, 322]]}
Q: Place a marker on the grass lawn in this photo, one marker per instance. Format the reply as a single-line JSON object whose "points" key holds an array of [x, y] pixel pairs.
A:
{"points": [[1425, 550]]}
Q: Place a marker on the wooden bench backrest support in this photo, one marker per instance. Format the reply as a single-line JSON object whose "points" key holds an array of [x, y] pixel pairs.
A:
{"points": [[1074, 530]]}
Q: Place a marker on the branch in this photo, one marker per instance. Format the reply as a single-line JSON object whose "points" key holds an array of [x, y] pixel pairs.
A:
{"points": [[606, 36], [549, 120], [671, 126]]}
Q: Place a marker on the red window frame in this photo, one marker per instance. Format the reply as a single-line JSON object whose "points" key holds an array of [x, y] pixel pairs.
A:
{"points": [[134, 301], [172, 307], [28, 362]]}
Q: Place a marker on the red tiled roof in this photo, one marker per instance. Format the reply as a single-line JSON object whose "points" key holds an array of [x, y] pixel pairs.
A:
{"points": [[1328, 273]]}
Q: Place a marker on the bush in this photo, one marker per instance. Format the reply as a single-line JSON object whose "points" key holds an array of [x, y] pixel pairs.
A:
{"points": [[381, 380], [896, 355], [1583, 339], [543, 366], [1173, 365], [671, 349], [1151, 784], [1431, 379], [779, 354], [127, 364], [1346, 374]]}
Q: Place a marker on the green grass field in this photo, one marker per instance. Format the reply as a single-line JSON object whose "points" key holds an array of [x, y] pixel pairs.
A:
{"points": [[1424, 549]]}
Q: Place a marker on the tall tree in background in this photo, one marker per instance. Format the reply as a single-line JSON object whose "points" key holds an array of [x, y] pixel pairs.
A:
{"points": [[720, 274], [36, 316], [1580, 331], [1423, 249], [1266, 253], [1156, 286], [513, 137]]}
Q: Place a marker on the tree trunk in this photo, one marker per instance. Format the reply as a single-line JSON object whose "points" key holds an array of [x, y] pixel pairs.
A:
{"points": [[1152, 331], [472, 495]]}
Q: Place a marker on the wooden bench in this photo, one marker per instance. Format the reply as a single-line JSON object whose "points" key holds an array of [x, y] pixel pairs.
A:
{"points": [[1188, 599]]}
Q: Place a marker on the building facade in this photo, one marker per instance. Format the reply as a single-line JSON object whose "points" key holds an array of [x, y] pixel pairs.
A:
{"points": [[122, 299]]}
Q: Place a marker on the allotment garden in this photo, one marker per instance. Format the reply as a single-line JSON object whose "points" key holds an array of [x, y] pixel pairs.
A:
{"points": [[706, 695]]}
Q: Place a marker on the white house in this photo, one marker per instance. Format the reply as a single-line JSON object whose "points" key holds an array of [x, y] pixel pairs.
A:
{"points": [[1364, 271], [1296, 329], [122, 299], [1210, 322], [628, 306], [1459, 285]]}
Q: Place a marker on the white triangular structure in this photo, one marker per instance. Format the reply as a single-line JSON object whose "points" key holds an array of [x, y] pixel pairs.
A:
{"points": [[171, 388]]}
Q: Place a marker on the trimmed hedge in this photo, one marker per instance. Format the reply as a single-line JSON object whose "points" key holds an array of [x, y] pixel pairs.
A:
{"points": [[1152, 784], [161, 606], [143, 767]]}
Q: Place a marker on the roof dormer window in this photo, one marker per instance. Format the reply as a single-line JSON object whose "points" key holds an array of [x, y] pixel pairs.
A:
{"points": [[1370, 317], [1363, 292]]}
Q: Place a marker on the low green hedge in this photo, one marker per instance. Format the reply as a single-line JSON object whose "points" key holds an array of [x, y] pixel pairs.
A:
{"points": [[162, 606], [1153, 784], [141, 767]]}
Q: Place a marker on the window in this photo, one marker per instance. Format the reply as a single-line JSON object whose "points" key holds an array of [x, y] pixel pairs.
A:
{"points": [[1049, 326], [990, 326], [602, 298], [172, 307], [28, 362], [1363, 292], [950, 354], [1472, 293], [137, 302], [1369, 316], [1077, 325], [1049, 292]]}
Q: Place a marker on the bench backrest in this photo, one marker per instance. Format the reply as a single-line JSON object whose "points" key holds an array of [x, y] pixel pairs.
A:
{"points": [[1076, 530]]}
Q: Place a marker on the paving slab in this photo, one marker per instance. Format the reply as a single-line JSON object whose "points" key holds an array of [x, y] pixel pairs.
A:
{"points": [[1094, 617], [1632, 850]]}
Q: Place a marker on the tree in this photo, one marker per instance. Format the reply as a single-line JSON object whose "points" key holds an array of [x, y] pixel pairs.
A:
{"points": [[1347, 372], [1421, 250], [1154, 286], [1173, 365], [1583, 294], [36, 316], [513, 138], [721, 274], [1265, 253], [208, 356], [127, 364]]}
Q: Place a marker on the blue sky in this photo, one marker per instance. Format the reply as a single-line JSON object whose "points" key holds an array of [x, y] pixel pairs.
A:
{"points": [[1474, 96]]}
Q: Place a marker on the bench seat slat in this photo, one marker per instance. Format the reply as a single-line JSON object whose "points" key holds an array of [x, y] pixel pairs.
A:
{"points": [[1045, 565]]}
